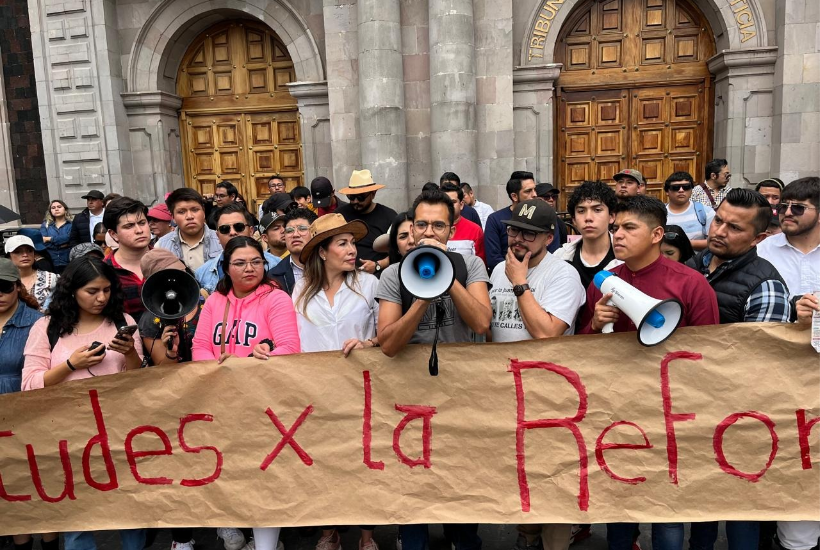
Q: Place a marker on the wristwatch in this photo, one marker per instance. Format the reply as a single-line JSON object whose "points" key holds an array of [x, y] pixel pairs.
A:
{"points": [[518, 290], [378, 266]]}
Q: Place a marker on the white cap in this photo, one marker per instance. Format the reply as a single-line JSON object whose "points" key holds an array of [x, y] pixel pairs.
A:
{"points": [[15, 242]]}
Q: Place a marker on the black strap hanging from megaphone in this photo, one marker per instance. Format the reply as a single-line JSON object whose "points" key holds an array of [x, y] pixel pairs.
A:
{"points": [[440, 311]]}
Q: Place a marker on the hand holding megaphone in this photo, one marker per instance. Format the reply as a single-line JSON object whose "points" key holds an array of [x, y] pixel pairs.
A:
{"points": [[655, 319]]}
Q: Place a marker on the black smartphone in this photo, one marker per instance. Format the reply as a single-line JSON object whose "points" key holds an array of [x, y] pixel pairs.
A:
{"points": [[96, 344], [127, 329]]}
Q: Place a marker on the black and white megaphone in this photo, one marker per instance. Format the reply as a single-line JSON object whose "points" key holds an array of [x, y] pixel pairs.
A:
{"points": [[427, 272], [170, 294], [656, 319]]}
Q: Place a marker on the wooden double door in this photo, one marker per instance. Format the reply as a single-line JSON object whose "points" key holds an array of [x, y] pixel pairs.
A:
{"points": [[657, 130], [239, 122]]}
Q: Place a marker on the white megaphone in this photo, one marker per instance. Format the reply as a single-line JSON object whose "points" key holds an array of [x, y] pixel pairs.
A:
{"points": [[656, 319], [426, 272]]}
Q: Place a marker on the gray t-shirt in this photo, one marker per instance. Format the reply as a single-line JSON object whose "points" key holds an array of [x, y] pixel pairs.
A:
{"points": [[453, 329]]}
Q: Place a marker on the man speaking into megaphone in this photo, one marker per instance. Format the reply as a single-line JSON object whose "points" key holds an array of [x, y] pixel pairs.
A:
{"points": [[636, 240]]}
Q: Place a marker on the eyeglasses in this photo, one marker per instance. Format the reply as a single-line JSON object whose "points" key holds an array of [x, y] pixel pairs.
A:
{"points": [[439, 227], [361, 197], [683, 187], [242, 264], [300, 228], [239, 227], [7, 287], [221, 196], [670, 235], [797, 208], [277, 185], [526, 234]]}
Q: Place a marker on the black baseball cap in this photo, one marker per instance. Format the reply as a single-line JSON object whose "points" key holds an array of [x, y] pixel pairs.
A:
{"points": [[544, 189], [533, 215], [279, 202], [94, 195], [322, 191]]}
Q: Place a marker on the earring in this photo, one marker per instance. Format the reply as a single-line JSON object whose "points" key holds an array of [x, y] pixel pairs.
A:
{"points": [[323, 258]]}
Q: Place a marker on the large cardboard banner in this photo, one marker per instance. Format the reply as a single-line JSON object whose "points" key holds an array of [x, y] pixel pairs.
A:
{"points": [[716, 423]]}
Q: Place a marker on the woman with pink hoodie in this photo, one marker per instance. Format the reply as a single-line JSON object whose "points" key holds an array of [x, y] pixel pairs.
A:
{"points": [[248, 315]]}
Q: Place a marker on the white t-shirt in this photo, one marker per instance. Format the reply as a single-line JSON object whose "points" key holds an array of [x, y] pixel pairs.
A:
{"points": [[352, 315], [690, 223], [93, 221], [556, 287]]}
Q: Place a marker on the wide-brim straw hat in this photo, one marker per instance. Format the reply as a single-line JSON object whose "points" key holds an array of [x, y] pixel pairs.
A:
{"points": [[361, 181], [329, 225]]}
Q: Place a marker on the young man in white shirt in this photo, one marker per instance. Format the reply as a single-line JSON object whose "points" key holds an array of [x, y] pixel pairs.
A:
{"points": [[534, 294], [692, 216]]}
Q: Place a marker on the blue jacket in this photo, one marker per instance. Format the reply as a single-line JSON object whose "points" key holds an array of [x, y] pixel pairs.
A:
{"points": [[211, 272], [172, 242], [58, 247], [12, 344]]}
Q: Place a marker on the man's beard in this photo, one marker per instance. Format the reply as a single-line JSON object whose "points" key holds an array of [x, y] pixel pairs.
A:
{"points": [[799, 230]]}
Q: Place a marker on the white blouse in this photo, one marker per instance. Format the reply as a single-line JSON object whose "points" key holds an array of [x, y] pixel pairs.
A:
{"points": [[353, 315]]}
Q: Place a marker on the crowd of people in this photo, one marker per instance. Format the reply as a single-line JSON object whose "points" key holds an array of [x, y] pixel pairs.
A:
{"points": [[318, 270]]}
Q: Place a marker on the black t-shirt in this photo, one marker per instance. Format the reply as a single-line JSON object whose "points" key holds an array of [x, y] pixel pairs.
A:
{"points": [[378, 222], [588, 273]]}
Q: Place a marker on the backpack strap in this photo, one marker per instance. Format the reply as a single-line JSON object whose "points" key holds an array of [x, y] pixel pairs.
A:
{"points": [[701, 214], [708, 194], [460, 269]]}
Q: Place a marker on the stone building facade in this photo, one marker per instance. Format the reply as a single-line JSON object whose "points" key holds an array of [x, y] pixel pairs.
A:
{"points": [[142, 96]]}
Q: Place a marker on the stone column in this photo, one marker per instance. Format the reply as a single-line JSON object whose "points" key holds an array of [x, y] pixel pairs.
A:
{"points": [[342, 47], [8, 191], [494, 97], [534, 93], [453, 89], [314, 115], [743, 83], [154, 139], [796, 124], [381, 99]]}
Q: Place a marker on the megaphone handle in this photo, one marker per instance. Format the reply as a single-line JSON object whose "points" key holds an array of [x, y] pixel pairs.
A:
{"points": [[609, 327]]}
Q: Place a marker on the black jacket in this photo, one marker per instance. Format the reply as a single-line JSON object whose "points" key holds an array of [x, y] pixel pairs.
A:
{"points": [[282, 273], [735, 280], [80, 233]]}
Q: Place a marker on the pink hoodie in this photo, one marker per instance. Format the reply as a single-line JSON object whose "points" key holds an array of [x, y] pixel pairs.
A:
{"points": [[267, 313]]}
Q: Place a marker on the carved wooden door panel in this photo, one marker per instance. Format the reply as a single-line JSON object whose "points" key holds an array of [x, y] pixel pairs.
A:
{"points": [[594, 136], [274, 148], [242, 123]]}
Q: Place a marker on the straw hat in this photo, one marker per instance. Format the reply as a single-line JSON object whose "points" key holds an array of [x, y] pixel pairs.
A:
{"points": [[328, 226], [360, 182]]}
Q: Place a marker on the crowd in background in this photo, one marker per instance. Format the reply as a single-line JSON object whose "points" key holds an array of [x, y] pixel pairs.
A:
{"points": [[318, 270]]}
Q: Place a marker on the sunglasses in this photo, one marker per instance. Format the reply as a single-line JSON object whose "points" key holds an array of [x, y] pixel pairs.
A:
{"points": [[670, 235], [361, 197], [239, 227], [684, 187], [7, 287], [797, 208]]}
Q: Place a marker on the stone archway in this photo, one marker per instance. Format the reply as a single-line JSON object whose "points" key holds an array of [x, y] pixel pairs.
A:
{"points": [[173, 25]]}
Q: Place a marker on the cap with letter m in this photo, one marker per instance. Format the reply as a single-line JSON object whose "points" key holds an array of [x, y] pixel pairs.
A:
{"points": [[533, 215]]}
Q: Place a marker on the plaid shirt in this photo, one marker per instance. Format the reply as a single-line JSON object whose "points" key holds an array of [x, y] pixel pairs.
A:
{"points": [[131, 287], [769, 302], [698, 194]]}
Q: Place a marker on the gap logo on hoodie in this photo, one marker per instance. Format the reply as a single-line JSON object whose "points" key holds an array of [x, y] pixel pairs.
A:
{"points": [[241, 335]]}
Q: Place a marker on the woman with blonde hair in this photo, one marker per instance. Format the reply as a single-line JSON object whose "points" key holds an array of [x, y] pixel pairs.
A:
{"points": [[336, 309], [56, 231]]}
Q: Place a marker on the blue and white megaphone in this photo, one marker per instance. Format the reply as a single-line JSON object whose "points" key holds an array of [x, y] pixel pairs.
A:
{"points": [[427, 272], [656, 319]]}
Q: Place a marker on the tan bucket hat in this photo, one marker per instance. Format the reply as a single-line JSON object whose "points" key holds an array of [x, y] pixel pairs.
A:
{"points": [[327, 226], [360, 182]]}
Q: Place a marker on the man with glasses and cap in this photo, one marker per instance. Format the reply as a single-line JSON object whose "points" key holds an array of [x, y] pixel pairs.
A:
{"points": [[361, 192], [232, 220], [82, 228], [693, 216]]}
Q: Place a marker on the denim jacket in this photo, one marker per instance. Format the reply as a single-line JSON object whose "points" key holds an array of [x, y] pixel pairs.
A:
{"points": [[58, 246], [209, 274], [210, 242], [12, 343]]}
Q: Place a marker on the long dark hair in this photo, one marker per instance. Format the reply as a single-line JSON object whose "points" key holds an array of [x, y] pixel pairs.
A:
{"points": [[393, 239], [225, 284], [64, 312], [680, 241]]}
